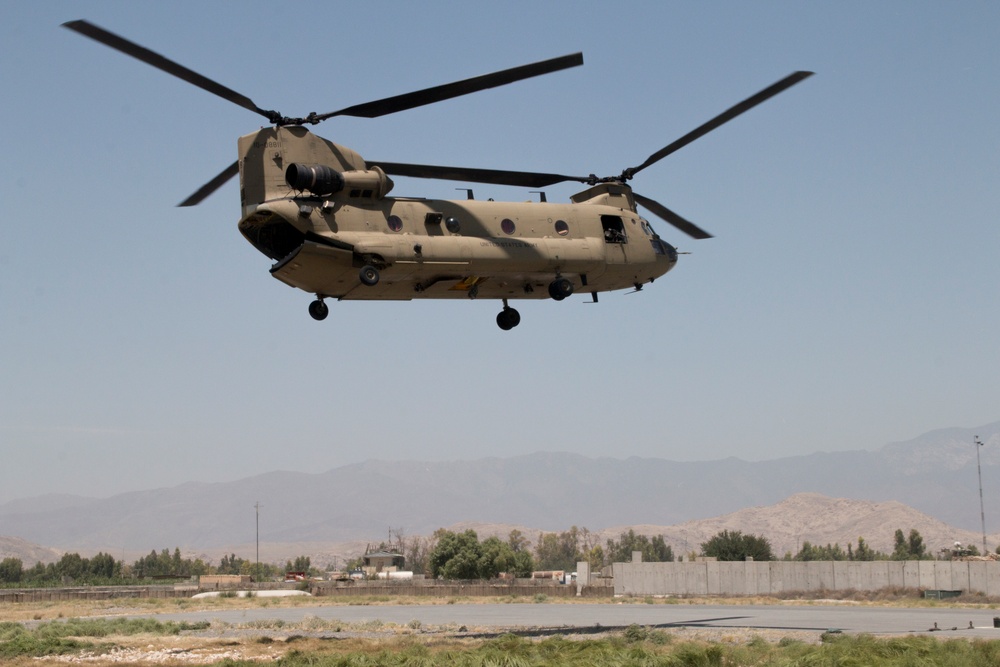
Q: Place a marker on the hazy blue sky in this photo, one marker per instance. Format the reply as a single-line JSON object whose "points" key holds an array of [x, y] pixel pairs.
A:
{"points": [[849, 298]]}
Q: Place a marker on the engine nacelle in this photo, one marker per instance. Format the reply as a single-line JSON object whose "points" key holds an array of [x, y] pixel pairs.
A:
{"points": [[323, 181]]}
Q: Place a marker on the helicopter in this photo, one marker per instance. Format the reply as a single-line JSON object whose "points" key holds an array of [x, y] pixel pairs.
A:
{"points": [[322, 212]]}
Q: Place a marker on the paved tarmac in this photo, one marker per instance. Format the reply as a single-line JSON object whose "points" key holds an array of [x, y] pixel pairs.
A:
{"points": [[949, 622]]}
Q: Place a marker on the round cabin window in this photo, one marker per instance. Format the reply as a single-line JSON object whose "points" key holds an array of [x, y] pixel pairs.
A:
{"points": [[395, 223], [562, 228], [453, 225], [507, 225]]}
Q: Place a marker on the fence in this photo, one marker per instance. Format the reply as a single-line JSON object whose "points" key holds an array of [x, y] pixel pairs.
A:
{"points": [[332, 589], [455, 589], [775, 577], [94, 593]]}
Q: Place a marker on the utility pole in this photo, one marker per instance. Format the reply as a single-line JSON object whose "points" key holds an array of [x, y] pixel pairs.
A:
{"points": [[982, 511], [256, 507]]}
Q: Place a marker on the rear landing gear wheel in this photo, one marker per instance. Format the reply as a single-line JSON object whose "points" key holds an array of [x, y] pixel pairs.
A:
{"points": [[369, 275], [560, 288], [508, 318], [319, 310]]}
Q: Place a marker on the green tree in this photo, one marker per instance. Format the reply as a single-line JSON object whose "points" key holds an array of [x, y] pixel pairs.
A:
{"points": [[733, 546], [523, 564], [231, 564], [103, 566], [916, 546], [300, 564], [495, 557], [653, 550], [816, 552], [518, 541], [865, 552], [456, 555], [11, 570], [71, 566], [559, 551], [595, 557], [900, 551]]}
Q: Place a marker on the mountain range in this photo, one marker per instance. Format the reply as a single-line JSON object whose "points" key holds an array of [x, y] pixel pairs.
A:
{"points": [[934, 475]]}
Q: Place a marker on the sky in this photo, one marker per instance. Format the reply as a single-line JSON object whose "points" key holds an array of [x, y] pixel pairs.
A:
{"points": [[848, 299]]}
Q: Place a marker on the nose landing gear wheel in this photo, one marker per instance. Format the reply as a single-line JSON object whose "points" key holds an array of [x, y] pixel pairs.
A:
{"points": [[319, 310], [560, 288], [508, 318], [369, 275]]}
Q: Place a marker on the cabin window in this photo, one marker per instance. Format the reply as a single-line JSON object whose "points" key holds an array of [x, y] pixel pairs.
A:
{"points": [[562, 229], [507, 225], [395, 223], [453, 225], [614, 229]]}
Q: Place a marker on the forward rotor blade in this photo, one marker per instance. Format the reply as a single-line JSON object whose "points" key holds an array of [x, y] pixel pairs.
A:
{"points": [[497, 176], [677, 221], [447, 91], [169, 66], [722, 118], [213, 185]]}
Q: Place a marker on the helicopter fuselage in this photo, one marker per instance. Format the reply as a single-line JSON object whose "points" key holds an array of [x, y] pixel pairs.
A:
{"points": [[322, 235]]}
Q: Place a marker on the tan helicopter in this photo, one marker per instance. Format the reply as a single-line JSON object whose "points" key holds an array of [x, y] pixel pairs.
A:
{"points": [[322, 213]]}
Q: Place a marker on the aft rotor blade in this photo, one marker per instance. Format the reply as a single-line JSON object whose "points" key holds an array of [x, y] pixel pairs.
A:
{"points": [[496, 176], [447, 91], [169, 66], [213, 185], [677, 221], [722, 118]]}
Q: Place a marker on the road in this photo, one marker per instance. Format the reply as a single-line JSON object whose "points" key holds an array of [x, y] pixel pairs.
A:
{"points": [[819, 618]]}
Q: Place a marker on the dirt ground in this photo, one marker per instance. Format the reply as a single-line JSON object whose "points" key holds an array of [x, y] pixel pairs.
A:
{"points": [[266, 641]]}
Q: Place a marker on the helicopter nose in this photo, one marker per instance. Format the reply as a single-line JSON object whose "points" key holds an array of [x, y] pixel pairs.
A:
{"points": [[664, 251]]}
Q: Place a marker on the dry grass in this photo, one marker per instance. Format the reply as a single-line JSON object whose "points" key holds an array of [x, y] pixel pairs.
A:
{"points": [[27, 611]]}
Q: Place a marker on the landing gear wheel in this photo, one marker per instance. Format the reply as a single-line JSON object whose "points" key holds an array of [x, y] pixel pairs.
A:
{"points": [[560, 288], [369, 275], [319, 310], [508, 318]]}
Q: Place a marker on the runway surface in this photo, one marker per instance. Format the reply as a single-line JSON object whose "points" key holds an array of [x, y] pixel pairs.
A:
{"points": [[585, 617]]}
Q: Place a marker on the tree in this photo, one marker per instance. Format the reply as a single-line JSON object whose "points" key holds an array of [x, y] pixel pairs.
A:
{"points": [[231, 564], [456, 555], [496, 557], [653, 550], [71, 565], [816, 552], [11, 570], [731, 546], [595, 557], [102, 566], [523, 564], [915, 543], [559, 551], [417, 551], [300, 564], [900, 550], [518, 541]]}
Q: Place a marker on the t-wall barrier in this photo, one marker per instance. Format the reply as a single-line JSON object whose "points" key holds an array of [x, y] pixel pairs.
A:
{"points": [[775, 577]]}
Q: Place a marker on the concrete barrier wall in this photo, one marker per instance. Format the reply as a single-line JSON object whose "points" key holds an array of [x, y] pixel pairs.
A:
{"points": [[774, 577]]}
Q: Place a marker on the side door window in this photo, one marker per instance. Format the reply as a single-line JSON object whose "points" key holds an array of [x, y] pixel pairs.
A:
{"points": [[614, 229]]}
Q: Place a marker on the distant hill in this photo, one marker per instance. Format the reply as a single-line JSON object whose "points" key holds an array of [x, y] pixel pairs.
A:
{"points": [[934, 474], [820, 520], [28, 553]]}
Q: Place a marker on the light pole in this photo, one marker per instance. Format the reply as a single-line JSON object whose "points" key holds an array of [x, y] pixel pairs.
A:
{"points": [[256, 507], [979, 470]]}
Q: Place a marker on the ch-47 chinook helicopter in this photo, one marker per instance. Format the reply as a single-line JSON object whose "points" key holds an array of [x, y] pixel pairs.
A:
{"points": [[321, 211]]}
